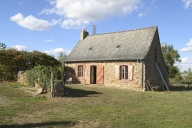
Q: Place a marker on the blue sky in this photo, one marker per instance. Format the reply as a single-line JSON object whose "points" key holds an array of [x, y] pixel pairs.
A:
{"points": [[54, 26]]}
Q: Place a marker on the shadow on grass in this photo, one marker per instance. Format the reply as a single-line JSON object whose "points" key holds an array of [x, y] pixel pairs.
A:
{"points": [[46, 124], [181, 88], [71, 92]]}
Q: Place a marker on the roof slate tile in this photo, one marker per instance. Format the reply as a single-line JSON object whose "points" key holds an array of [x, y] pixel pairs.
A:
{"points": [[134, 45]]}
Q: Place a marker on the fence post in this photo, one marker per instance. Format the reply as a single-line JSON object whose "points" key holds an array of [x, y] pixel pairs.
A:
{"points": [[52, 85]]}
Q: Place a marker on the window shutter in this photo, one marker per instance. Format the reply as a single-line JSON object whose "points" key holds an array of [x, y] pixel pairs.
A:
{"points": [[100, 75], [117, 72], [130, 72]]}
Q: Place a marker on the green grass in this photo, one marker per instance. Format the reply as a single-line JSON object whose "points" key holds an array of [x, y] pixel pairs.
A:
{"points": [[95, 106]]}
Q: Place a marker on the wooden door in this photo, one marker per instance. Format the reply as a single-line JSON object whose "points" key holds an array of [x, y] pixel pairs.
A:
{"points": [[100, 75], [93, 74]]}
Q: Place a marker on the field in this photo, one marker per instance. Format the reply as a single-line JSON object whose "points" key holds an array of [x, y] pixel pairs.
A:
{"points": [[94, 107]]}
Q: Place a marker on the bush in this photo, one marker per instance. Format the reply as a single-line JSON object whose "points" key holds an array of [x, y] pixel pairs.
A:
{"points": [[12, 61], [42, 76]]}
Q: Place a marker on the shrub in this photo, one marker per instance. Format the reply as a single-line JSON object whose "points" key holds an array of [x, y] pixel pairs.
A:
{"points": [[42, 76], [12, 61]]}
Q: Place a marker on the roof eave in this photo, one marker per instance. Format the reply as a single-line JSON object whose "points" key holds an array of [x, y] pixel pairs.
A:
{"points": [[88, 61]]}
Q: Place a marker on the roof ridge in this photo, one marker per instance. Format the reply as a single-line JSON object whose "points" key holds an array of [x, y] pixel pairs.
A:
{"points": [[124, 31]]}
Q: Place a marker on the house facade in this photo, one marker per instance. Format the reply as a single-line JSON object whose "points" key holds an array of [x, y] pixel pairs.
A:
{"points": [[121, 59]]}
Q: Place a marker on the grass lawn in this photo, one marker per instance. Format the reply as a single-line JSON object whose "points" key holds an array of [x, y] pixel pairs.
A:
{"points": [[95, 107]]}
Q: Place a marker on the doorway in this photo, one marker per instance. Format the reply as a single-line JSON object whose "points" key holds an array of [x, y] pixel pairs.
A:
{"points": [[93, 74]]}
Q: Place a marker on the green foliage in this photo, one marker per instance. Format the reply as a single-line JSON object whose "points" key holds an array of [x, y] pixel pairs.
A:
{"points": [[42, 75], [62, 56], [39, 74], [12, 61], [171, 56], [2, 46], [15, 85], [177, 79], [187, 77], [38, 58], [6, 73]]}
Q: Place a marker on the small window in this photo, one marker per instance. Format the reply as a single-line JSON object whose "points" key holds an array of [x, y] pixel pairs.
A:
{"points": [[118, 46], [80, 71], [123, 72], [90, 48]]}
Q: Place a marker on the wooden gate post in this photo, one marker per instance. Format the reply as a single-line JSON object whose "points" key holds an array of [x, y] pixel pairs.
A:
{"points": [[52, 85]]}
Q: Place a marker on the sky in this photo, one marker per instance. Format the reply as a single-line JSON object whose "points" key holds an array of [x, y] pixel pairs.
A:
{"points": [[54, 26]]}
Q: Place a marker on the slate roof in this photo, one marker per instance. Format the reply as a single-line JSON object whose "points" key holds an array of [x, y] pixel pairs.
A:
{"points": [[116, 46]]}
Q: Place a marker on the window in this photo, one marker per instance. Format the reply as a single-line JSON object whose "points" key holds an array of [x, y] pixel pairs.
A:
{"points": [[123, 72], [118, 46], [91, 48], [80, 71]]}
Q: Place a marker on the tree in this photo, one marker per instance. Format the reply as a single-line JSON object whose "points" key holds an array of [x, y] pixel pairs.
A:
{"points": [[62, 56], [2, 46], [171, 56], [187, 77]]}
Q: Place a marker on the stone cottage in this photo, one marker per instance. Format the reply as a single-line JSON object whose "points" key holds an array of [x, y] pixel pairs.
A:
{"points": [[122, 59]]}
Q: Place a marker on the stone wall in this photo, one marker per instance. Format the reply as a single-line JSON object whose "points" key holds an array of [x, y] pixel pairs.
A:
{"points": [[148, 72], [22, 77], [151, 72], [111, 74], [59, 89]]}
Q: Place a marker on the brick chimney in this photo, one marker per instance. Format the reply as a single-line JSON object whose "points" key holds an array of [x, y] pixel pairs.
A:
{"points": [[83, 34]]}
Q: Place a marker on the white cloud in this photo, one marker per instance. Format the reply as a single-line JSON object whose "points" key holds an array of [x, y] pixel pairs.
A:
{"points": [[55, 52], [186, 60], [187, 3], [141, 14], [32, 22], [185, 63], [189, 44], [188, 48], [147, 8], [20, 47], [70, 23], [77, 13]]}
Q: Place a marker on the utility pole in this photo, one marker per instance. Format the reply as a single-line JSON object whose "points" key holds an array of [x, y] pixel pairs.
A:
{"points": [[93, 30]]}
